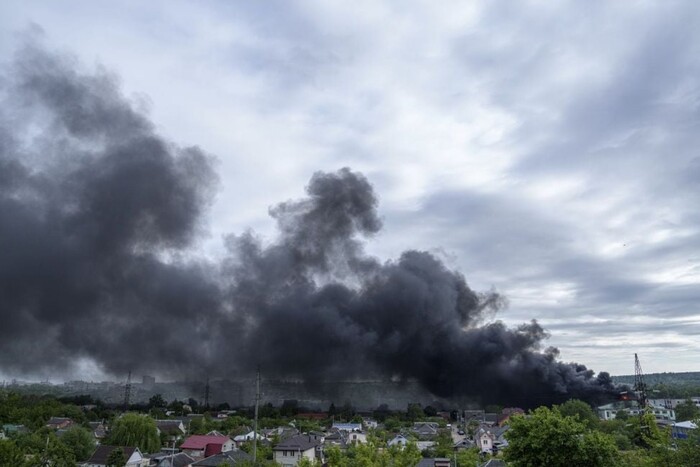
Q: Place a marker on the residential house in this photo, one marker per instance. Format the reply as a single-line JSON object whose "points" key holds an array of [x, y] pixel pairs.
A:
{"points": [[244, 438], [59, 423], [289, 452], [425, 445], [507, 413], [282, 432], [500, 432], [201, 446], [173, 429], [369, 423], [357, 437], [347, 426], [485, 439], [99, 431], [491, 418], [398, 440], [336, 438], [229, 458], [473, 416], [179, 459], [464, 444], [133, 456], [317, 435], [426, 430], [434, 462]]}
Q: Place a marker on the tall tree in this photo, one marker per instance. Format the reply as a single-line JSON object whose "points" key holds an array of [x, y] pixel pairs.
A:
{"points": [[135, 430], [79, 441], [157, 400], [10, 454], [579, 409], [545, 437], [687, 410]]}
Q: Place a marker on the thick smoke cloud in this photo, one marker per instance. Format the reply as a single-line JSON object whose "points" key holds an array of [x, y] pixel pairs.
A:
{"points": [[94, 208], [314, 306], [97, 214]]}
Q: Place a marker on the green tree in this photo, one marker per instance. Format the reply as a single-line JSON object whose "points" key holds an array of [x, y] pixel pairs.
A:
{"points": [[348, 411], [688, 451], [580, 410], [79, 441], [374, 454], [468, 457], [546, 437], [687, 410], [116, 458], [306, 462], [645, 433], [414, 412], [444, 445], [392, 424], [157, 400], [135, 430], [58, 455], [381, 413], [10, 454]]}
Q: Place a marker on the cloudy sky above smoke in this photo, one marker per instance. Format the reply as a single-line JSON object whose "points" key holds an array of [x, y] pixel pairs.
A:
{"points": [[547, 151]]}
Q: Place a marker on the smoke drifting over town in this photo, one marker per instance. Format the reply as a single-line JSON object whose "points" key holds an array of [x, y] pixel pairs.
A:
{"points": [[98, 214]]}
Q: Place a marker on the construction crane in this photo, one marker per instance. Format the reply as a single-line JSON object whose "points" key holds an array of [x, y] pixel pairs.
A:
{"points": [[640, 386]]}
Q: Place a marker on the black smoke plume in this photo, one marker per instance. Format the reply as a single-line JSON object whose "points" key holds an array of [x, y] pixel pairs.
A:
{"points": [[98, 214]]}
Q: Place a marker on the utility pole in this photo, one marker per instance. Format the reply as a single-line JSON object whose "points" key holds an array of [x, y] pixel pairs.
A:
{"points": [[255, 423], [127, 392]]}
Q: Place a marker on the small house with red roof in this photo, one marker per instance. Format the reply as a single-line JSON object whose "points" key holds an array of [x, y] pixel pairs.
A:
{"points": [[200, 446]]}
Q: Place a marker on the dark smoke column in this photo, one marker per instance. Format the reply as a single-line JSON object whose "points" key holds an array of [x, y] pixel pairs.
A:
{"points": [[98, 214], [313, 305], [95, 211]]}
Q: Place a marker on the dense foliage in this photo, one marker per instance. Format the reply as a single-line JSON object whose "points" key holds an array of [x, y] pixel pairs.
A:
{"points": [[135, 430], [569, 434], [546, 437]]}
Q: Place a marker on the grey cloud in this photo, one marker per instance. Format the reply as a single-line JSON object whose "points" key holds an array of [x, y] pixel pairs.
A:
{"points": [[94, 257]]}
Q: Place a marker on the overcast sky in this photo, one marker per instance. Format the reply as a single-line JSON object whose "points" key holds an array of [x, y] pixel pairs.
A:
{"points": [[548, 150]]}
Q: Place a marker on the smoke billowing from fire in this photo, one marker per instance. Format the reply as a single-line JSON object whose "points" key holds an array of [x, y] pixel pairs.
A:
{"points": [[97, 212]]}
